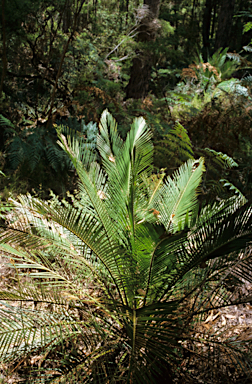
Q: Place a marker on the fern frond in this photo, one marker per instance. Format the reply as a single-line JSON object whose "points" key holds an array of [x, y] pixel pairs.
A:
{"points": [[233, 188], [179, 134], [5, 121], [221, 158], [235, 56], [175, 147], [247, 48], [247, 81]]}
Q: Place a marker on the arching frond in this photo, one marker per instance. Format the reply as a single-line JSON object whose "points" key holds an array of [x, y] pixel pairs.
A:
{"points": [[222, 158], [108, 141], [177, 199]]}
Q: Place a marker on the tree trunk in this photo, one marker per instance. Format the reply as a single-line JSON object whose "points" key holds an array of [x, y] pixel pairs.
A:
{"points": [[138, 85], [225, 18], [4, 59], [237, 38], [59, 73], [214, 18], [206, 29], [154, 6]]}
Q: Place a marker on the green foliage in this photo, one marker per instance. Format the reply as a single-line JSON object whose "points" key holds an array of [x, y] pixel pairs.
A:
{"points": [[34, 151], [224, 125], [4, 121], [87, 131], [222, 159], [233, 188], [247, 27], [114, 271], [4, 208], [33, 144], [203, 83], [173, 148], [96, 69], [232, 86], [225, 67], [30, 146], [167, 28]]}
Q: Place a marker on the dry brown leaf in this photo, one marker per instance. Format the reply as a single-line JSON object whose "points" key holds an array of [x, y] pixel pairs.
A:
{"points": [[224, 320], [34, 359], [230, 316], [212, 317]]}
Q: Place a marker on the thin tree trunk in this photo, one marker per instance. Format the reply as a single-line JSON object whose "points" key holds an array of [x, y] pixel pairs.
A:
{"points": [[225, 19], [138, 85], [206, 29], [4, 58], [154, 6], [214, 18], [76, 15], [193, 10]]}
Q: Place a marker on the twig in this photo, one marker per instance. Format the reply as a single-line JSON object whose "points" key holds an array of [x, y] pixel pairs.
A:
{"points": [[118, 45]]}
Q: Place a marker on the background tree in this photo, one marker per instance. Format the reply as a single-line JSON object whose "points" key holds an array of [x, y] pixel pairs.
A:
{"points": [[225, 17], [138, 85]]}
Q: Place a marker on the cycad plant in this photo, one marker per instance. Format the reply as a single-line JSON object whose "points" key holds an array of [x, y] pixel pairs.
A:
{"points": [[111, 282]]}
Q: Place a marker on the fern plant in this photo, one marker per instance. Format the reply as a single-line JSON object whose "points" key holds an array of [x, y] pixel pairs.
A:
{"points": [[28, 148], [204, 83], [110, 282], [173, 148], [176, 147], [33, 151], [89, 131]]}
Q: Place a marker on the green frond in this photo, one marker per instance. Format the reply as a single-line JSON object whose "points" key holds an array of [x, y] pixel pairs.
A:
{"points": [[234, 56], [175, 147], [177, 199], [5, 121], [108, 140], [23, 330], [247, 81], [178, 136], [247, 48], [16, 152], [57, 159], [233, 188], [221, 158], [219, 208], [219, 57]]}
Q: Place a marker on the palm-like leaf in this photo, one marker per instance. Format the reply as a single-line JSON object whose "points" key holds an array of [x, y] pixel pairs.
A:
{"points": [[116, 268], [177, 200]]}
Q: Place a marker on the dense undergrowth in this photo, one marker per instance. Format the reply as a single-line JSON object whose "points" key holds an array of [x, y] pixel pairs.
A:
{"points": [[32, 159], [66, 62]]}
